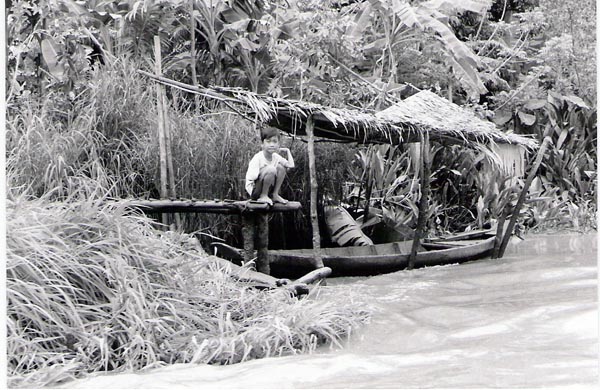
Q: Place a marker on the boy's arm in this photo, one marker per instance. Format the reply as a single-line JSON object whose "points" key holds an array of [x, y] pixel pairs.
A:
{"points": [[290, 160], [252, 174]]}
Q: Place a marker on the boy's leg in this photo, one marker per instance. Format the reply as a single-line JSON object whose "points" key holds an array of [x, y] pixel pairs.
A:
{"points": [[280, 176], [264, 183]]}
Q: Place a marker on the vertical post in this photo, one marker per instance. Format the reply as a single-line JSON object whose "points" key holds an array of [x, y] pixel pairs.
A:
{"points": [[423, 202], [522, 196], [262, 243], [499, 232], [193, 48], [248, 222], [162, 143], [318, 259], [170, 169]]}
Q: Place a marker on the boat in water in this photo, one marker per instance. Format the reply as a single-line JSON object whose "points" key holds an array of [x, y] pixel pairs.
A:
{"points": [[374, 259]]}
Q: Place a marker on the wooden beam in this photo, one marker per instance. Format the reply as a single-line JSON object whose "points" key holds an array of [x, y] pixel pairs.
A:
{"points": [[207, 206], [314, 218]]}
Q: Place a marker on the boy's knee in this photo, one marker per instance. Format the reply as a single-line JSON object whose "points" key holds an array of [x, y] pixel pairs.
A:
{"points": [[280, 170], [268, 171]]}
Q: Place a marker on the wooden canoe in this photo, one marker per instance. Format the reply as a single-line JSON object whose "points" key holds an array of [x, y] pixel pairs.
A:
{"points": [[382, 258]]}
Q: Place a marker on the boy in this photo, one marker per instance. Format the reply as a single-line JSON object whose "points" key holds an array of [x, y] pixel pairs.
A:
{"points": [[267, 168]]}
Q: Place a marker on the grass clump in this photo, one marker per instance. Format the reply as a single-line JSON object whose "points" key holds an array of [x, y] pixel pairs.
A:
{"points": [[91, 287]]}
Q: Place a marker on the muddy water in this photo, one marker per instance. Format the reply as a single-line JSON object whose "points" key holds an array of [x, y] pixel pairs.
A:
{"points": [[527, 320]]}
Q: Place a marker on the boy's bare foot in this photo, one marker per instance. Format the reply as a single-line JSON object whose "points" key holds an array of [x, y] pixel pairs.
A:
{"points": [[265, 199], [279, 199]]}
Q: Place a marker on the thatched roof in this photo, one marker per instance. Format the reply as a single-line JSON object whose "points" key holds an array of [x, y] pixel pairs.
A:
{"points": [[446, 122]]}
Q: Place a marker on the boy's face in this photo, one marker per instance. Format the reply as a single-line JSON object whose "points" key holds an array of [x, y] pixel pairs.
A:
{"points": [[271, 144]]}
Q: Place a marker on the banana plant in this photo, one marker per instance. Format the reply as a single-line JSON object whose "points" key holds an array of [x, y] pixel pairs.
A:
{"points": [[403, 22]]}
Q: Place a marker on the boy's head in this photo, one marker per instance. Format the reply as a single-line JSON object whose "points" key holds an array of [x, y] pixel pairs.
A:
{"points": [[268, 132]]}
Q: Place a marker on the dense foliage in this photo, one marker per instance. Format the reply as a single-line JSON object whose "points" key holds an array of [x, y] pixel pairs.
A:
{"points": [[76, 104]]}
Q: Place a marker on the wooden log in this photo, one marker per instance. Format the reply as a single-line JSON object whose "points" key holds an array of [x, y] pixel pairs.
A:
{"points": [[423, 202], [227, 251], [259, 280], [297, 289], [262, 243], [522, 196], [248, 230], [314, 275], [314, 218]]}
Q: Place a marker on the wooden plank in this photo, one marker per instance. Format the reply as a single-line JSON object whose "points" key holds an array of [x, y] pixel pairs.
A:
{"points": [[207, 206]]}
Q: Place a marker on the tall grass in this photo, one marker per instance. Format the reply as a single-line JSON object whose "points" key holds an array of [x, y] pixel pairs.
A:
{"points": [[91, 287], [101, 134], [108, 135]]}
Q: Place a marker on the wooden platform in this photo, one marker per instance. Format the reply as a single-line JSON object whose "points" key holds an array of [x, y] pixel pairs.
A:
{"points": [[208, 206], [255, 219]]}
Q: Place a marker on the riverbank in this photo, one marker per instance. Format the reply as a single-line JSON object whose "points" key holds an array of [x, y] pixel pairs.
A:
{"points": [[527, 320], [93, 287]]}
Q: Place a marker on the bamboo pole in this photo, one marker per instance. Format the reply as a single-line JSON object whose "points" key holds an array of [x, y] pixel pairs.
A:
{"points": [[318, 258], [423, 202], [170, 169], [522, 196], [193, 49], [162, 143]]}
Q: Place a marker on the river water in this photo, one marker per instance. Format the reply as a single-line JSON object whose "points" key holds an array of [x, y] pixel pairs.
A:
{"points": [[528, 320]]}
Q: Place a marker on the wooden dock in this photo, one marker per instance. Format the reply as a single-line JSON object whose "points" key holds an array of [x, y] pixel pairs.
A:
{"points": [[255, 219]]}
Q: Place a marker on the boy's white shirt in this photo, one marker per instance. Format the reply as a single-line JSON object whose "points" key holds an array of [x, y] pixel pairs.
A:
{"points": [[258, 162]]}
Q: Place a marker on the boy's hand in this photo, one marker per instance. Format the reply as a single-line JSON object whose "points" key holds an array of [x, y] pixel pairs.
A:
{"points": [[286, 150]]}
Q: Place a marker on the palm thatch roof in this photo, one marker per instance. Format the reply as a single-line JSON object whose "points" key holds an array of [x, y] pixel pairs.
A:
{"points": [[445, 122]]}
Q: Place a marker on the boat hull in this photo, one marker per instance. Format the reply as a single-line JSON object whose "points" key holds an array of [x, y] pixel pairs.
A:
{"points": [[378, 259]]}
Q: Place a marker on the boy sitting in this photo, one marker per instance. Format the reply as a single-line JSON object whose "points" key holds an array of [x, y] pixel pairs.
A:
{"points": [[267, 168]]}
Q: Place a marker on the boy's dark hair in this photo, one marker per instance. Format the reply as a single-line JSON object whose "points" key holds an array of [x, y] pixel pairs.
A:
{"points": [[268, 132]]}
